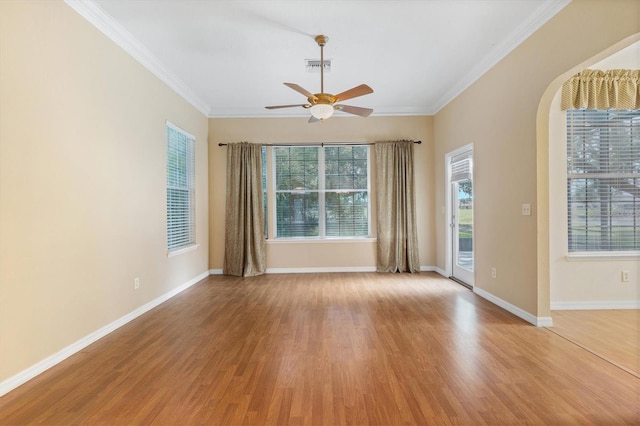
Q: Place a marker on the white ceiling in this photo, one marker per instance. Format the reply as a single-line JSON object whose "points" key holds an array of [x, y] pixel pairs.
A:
{"points": [[230, 58]]}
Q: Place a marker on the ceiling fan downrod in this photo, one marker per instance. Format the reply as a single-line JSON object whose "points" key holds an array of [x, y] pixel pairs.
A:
{"points": [[321, 40]]}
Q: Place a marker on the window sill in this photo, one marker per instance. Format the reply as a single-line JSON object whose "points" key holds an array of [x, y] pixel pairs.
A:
{"points": [[321, 240], [614, 255], [182, 250]]}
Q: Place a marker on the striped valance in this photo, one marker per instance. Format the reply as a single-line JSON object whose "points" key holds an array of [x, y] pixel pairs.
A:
{"points": [[596, 89]]}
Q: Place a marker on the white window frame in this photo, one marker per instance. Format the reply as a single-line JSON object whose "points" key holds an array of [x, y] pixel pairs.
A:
{"points": [[177, 244], [272, 205], [571, 175]]}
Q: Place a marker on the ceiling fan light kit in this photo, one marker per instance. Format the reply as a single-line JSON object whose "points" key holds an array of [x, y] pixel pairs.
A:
{"points": [[321, 105], [321, 111]]}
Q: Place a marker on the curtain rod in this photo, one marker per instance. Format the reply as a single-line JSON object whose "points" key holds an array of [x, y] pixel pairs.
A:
{"points": [[317, 143]]}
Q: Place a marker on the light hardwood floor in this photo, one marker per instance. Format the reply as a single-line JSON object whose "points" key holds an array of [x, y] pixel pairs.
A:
{"points": [[612, 334], [324, 349]]}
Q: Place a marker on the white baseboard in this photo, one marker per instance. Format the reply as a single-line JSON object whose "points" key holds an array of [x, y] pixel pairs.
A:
{"points": [[434, 269], [537, 321], [339, 269], [321, 270], [332, 269], [31, 372], [544, 322], [588, 305]]}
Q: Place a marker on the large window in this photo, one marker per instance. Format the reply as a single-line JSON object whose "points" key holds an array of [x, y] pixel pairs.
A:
{"points": [[321, 192], [603, 180], [180, 188]]}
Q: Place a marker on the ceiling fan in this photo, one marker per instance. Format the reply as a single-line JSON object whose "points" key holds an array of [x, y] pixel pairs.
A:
{"points": [[321, 105]]}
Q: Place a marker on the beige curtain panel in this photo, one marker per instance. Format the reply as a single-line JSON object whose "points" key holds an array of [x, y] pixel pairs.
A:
{"points": [[595, 89], [397, 249], [244, 243]]}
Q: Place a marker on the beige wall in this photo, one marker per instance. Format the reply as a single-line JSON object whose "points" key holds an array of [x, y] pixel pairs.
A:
{"points": [[585, 282], [82, 151], [322, 255], [498, 113], [82, 183]]}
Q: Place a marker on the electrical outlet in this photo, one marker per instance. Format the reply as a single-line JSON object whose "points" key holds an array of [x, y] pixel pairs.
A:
{"points": [[526, 210], [493, 272], [136, 283], [624, 276]]}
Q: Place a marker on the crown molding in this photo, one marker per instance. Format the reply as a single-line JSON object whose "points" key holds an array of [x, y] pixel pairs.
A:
{"points": [[93, 13], [257, 112], [544, 13]]}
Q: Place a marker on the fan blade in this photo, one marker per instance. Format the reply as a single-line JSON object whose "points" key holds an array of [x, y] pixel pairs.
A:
{"points": [[312, 119], [287, 106], [301, 90], [363, 89], [362, 112]]}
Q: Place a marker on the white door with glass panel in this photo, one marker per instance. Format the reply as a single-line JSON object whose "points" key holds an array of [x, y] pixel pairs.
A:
{"points": [[461, 225]]}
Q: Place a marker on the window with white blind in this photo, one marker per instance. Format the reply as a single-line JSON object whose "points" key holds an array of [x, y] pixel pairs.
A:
{"points": [[603, 180], [321, 192], [180, 188]]}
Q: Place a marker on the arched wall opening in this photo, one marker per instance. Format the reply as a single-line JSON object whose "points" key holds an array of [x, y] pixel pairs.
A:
{"points": [[546, 129]]}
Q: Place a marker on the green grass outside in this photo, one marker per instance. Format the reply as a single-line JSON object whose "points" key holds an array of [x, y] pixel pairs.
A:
{"points": [[465, 216]]}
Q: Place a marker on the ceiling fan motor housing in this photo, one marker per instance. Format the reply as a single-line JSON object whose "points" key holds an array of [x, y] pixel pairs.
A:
{"points": [[322, 98]]}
